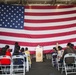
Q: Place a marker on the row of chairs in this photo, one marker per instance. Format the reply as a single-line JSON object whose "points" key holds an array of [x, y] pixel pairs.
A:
{"points": [[68, 66], [18, 65]]}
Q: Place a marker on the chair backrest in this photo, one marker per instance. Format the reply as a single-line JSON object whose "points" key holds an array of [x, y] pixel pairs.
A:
{"points": [[18, 59], [18, 64], [69, 58], [54, 55], [17, 56]]}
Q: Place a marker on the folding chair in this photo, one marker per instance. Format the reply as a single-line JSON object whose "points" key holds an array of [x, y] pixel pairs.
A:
{"points": [[28, 65], [5, 65], [59, 62], [54, 61], [59, 65], [69, 65], [18, 65]]}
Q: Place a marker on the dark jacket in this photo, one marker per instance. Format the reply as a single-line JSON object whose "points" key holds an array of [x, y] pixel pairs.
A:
{"points": [[16, 50], [67, 50]]}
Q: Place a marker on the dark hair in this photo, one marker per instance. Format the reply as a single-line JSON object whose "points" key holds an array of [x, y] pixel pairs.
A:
{"points": [[69, 44], [7, 46], [26, 48], [72, 45], [16, 43], [4, 49], [22, 49], [54, 48], [60, 48]]}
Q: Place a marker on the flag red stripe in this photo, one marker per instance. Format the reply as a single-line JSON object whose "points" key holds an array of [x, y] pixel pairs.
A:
{"points": [[35, 44], [49, 20], [36, 36], [49, 7]]}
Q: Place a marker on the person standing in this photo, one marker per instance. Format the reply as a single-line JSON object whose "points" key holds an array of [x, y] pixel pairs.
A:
{"points": [[16, 48]]}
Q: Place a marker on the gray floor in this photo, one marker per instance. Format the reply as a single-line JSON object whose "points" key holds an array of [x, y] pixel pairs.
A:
{"points": [[43, 68]]}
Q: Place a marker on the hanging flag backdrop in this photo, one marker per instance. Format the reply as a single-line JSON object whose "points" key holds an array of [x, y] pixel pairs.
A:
{"points": [[37, 25]]}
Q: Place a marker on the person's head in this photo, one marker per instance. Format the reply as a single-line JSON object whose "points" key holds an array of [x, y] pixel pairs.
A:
{"points": [[72, 46], [16, 43], [60, 48], [26, 49], [69, 45], [22, 49], [54, 48], [7, 46]]}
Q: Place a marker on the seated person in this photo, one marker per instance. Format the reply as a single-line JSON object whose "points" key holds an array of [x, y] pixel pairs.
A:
{"points": [[67, 50], [54, 56], [55, 50], [60, 52], [5, 60], [20, 61], [3, 50], [28, 53]]}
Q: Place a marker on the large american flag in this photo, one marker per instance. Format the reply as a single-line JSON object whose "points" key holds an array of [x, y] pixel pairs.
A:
{"points": [[31, 26]]}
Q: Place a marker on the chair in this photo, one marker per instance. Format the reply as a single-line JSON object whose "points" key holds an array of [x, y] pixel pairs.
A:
{"points": [[54, 57], [69, 63], [5, 65], [58, 59], [28, 65], [18, 65], [59, 64]]}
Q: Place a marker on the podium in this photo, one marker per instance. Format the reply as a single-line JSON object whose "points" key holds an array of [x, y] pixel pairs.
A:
{"points": [[39, 54]]}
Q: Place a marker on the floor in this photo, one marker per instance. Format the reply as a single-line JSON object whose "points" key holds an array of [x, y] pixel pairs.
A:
{"points": [[43, 68]]}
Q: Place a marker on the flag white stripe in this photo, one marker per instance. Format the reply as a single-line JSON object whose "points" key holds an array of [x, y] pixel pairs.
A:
{"points": [[49, 24], [49, 17]]}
